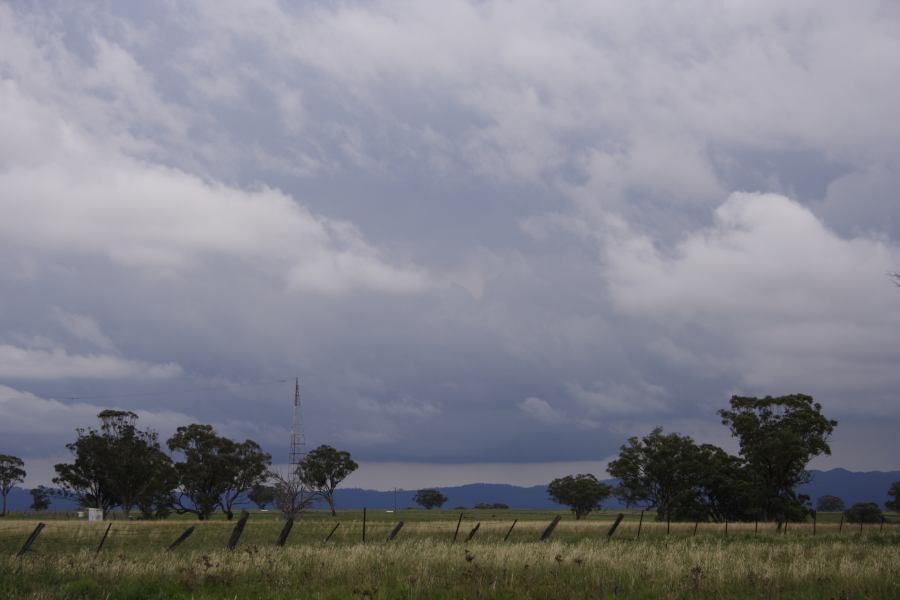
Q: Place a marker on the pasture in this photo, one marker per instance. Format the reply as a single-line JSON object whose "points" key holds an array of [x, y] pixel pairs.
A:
{"points": [[578, 561]]}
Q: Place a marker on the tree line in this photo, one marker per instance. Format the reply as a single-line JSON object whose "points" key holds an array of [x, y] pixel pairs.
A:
{"points": [[683, 480], [116, 465]]}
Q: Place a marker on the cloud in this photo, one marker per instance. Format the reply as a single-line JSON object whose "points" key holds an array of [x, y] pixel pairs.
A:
{"points": [[796, 305], [84, 328], [431, 213], [41, 364], [541, 411]]}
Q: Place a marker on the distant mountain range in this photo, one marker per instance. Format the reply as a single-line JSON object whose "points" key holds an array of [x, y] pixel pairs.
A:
{"points": [[850, 486]]}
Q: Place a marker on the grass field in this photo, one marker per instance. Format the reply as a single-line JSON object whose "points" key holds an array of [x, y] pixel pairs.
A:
{"points": [[578, 561]]}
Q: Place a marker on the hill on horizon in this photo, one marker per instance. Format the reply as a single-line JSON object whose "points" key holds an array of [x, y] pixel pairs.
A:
{"points": [[850, 486]]}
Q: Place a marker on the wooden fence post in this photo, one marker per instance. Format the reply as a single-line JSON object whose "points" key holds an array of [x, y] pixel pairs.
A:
{"points": [[456, 533], [473, 532], [328, 537], [510, 530], [841, 526], [860, 526], [756, 526], [640, 524], [187, 532], [238, 530], [814, 522], [27, 545], [615, 526], [285, 532], [549, 531], [103, 539], [696, 525], [394, 532], [726, 527], [364, 525], [668, 523]]}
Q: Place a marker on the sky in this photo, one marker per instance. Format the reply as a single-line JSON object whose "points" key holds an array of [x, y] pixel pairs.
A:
{"points": [[492, 239]]}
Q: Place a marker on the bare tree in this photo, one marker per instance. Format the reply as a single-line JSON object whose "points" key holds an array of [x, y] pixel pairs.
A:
{"points": [[292, 496]]}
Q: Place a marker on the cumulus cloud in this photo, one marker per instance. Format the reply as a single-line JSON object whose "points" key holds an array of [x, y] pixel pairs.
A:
{"points": [[795, 304]]}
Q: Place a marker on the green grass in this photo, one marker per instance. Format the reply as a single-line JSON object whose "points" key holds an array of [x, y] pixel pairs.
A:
{"points": [[578, 561]]}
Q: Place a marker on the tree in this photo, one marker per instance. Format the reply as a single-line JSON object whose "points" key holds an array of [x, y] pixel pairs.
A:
{"points": [[116, 465], [778, 437], [215, 471], [582, 492], [894, 492], [249, 467], [40, 498], [291, 495], [429, 498], [829, 504], [864, 512], [11, 473], [660, 470], [261, 495], [323, 469]]}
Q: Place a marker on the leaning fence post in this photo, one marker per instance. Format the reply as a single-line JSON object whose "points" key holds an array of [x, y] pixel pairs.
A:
{"points": [[696, 525], [238, 530], [181, 538], [456, 533], [473, 532], [394, 532], [640, 523], [328, 537], [285, 532], [510, 529], [615, 525], [27, 545], [103, 539], [841, 526], [549, 531]]}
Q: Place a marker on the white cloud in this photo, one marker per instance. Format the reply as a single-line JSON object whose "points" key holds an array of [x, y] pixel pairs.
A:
{"points": [[541, 410], [56, 363], [772, 294]]}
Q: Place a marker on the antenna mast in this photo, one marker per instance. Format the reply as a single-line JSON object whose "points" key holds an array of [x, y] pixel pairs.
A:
{"points": [[298, 442]]}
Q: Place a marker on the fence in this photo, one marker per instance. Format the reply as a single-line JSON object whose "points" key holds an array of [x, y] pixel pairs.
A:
{"points": [[125, 536]]}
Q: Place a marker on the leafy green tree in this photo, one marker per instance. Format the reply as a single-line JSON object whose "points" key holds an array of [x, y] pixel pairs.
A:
{"points": [[894, 492], [778, 437], [249, 467], [583, 493], [429, 498], [659, 470], [11, 473], [40, 498], [215, 471], [829, 503], [722, 488], [864, 512], [116, 465], [323, 469], [262, 495]]}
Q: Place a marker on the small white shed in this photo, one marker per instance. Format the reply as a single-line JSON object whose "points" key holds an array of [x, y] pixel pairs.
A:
{"points": [[95, 514]]}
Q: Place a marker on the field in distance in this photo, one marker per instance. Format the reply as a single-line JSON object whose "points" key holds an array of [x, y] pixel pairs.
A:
{"points": [[578, 561]]}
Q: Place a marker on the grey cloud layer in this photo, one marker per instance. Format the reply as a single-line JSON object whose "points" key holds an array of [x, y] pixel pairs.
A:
{"points": [[485, 232]]}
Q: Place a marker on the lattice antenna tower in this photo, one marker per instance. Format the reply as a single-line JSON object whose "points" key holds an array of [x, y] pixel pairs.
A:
{"points": [[298, 441]]}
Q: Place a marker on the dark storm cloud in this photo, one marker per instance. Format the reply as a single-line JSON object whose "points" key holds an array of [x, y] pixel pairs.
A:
{"points": [[479, 232]]}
